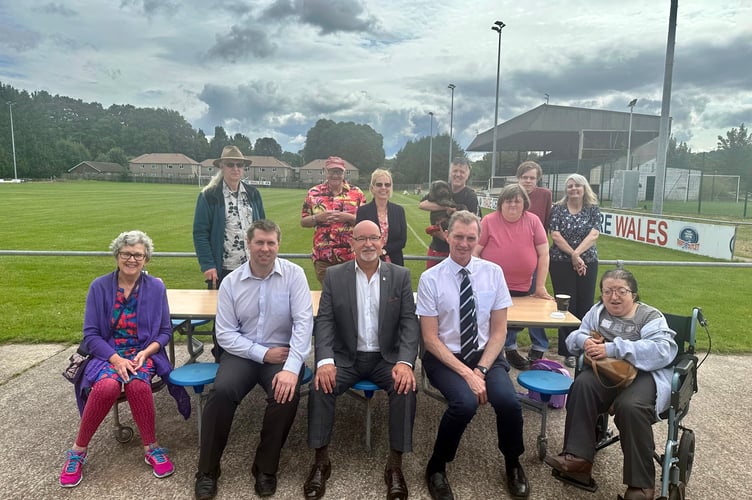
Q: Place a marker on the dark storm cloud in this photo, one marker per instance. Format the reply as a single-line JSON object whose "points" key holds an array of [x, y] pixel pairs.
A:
{"points": [[58, 9], [330, 16], [240, 43], [250, 102]]}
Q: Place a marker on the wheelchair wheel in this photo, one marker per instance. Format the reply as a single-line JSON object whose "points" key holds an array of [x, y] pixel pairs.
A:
{"points": [[686, 455], [123, 434]]}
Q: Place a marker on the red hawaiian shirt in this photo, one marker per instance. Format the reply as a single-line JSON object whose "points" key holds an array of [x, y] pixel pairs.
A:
{"points": [[331, 242]]}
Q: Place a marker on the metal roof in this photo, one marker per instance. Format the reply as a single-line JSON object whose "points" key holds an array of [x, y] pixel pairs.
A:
{"points": [[556, 130]]}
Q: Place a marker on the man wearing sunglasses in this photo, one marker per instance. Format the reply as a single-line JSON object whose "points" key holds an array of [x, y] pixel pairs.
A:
{"points": [[365, 329], [330, 209]]}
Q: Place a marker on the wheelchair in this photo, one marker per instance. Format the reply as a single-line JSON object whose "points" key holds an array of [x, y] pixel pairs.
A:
{"points": [[678, 456]]}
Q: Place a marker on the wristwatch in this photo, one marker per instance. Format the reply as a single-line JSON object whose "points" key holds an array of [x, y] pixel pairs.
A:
{"points": [[482, 369]]}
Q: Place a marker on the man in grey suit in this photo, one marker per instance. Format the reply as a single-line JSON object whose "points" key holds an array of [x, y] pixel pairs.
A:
{"points": [[366, 328]]}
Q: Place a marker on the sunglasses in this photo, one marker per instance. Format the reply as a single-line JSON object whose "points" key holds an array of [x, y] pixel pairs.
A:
{"points": [[383, 184], [233, 164]]}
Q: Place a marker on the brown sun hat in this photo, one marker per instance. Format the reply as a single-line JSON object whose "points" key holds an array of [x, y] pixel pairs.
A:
{"points": [[231, 153]]}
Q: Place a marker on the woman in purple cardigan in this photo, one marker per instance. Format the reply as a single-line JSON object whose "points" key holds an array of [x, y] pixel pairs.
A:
{"points": [[126, 328]]}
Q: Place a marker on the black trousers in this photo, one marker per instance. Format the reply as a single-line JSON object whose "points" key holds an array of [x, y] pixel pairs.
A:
{"points": [[581, 290], [235, 379], [371, 366]]}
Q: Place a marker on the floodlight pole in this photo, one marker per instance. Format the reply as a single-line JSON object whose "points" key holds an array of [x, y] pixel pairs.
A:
{"points": [[13, 140], [631, 106], [451, 123], [430, 150], [497, 27]]}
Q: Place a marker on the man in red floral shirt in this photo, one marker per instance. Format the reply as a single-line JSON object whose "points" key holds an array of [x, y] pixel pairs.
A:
{"points": [[330, 208]]}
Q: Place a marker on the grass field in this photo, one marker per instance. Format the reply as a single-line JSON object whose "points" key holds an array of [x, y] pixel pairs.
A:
{"points": [[41, 298]]}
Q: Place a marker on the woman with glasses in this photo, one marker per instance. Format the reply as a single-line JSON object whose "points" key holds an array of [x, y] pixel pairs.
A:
{"points": [[225, 209], [575, 223], [637, 333], [126, 328], [389, 216]]}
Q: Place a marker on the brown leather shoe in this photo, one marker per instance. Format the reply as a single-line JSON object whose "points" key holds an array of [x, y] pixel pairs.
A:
{"points": [[315, 485], [396, 487], [515, 359], [571, 466], [633, 493]]}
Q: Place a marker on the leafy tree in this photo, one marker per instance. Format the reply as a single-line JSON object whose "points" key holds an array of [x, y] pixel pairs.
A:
{"points": [[411, 162], [736, 153], [267, 146], [243, 143], [218, 142], [293, 159], [359, 144]]}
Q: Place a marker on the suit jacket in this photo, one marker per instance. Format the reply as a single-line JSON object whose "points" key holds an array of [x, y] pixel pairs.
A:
{"points": [[395, 216], [336, 326]]}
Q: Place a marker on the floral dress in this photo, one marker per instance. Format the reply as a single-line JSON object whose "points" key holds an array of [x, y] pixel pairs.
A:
{"points": [[125, 332]]}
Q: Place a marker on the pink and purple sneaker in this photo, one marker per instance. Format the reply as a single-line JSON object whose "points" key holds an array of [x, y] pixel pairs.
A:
{"points": [[71, 474], [160, 463]]}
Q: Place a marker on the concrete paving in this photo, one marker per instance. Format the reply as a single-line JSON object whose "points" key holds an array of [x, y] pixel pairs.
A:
{"points": [[39, 420]]}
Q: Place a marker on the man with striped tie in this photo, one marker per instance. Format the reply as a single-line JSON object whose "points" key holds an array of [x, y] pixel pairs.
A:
{"points": [[462, 304]]}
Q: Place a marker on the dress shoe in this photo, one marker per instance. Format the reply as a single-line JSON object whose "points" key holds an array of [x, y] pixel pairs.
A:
{"points": [[438, 486], [515, 359], [633, 493], [396, 487], [206, 487], [571, 466], [315, 485], [517, 482], [266, 484]]}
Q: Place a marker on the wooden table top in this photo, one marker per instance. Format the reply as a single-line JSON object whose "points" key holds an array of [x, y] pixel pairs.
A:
{"points": [[526, 311]]}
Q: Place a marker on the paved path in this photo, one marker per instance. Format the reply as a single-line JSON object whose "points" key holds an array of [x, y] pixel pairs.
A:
{"points": [[38, 421]]}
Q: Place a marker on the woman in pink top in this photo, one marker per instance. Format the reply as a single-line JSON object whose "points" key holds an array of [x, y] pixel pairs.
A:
{"points": [[515, 239]]}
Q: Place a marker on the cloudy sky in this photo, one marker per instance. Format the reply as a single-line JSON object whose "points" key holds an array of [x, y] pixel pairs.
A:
{"points": [[274, 67]]}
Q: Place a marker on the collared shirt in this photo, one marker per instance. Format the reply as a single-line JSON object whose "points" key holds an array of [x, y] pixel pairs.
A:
{"points": [[332, 242], [368, 299], [255, 314], [439, 295], [238, 217]]}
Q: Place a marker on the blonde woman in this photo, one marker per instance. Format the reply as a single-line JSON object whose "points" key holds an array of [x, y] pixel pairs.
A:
{"points": [[389, 216]]}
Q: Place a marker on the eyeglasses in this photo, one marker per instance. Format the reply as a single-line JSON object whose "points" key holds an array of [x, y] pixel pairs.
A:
{"points": [[621, 292], [363, 239], [383, 184], [234, 164], [126, 256]]}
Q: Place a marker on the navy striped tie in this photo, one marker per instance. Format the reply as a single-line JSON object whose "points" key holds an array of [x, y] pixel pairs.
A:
{"points": [[468, 320]]}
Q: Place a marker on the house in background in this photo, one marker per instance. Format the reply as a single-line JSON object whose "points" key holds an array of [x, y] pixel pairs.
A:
{"points": [[164, 165], [262, 169], [313, 172], [97, 170]]}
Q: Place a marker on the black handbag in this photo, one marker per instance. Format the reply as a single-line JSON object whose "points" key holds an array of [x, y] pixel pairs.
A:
{"points": [[78, 361]]}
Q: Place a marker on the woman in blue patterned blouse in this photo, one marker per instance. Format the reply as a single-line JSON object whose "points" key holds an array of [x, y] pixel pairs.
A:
{"points": [[575, 223]]}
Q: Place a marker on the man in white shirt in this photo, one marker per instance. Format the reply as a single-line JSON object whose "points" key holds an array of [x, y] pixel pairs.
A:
{"points": [[264, 324], [462, 304], [365, 329]]}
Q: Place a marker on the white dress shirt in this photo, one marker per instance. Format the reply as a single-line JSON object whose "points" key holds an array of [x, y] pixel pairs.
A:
{"points": [[439, 295], [255, 314]]}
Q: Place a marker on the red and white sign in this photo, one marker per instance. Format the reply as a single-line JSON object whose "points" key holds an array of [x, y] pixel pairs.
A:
{"points": [[711, 240]]}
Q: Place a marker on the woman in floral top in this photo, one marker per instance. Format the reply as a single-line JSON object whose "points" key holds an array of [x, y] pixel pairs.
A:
{"points": [[575, 223]]}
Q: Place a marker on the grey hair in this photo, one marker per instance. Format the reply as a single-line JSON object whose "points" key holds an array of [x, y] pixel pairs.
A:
{"points": [[130, 238], [464, 217], [512, 191], [588, 197], [215, 181]]}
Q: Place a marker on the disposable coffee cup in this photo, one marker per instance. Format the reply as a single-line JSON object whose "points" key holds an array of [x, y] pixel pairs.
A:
{"points": [[562, 302]]}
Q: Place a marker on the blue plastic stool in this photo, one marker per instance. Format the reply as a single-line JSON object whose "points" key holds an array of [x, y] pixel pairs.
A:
{"points": [[368, 388], [188, 327], [195, 375], [547, 384]]}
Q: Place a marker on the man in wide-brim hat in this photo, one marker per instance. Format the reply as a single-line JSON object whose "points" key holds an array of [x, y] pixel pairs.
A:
{"points": [[231, 154]]}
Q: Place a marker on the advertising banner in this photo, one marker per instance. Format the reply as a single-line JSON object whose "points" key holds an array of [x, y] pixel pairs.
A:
{"points": [[711, 240]]}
